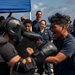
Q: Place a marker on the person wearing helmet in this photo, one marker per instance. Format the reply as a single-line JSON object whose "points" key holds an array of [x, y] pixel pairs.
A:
{"points": [[11, 34], [12, 30]]}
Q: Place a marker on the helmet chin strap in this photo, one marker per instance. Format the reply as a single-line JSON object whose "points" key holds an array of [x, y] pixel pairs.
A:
{"points": [[3, 33]]}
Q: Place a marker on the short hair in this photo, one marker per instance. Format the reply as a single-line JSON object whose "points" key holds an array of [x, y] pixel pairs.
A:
{"points": [[23, 18], [68, 18], [27, 21], [58, 19], [38, 11]]}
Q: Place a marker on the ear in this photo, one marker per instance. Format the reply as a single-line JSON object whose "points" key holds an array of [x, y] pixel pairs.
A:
{"points": [[63, 27]]}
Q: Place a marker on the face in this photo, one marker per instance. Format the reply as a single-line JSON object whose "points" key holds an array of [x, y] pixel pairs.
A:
{"points": [[27, 27], [23, 19], [39, 15], [68, 24], [42, 25], [56, 30]]}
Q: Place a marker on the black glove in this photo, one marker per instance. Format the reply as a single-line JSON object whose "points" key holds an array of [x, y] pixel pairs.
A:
{"points": [[24, 69], [32, 36], [49, 49]]}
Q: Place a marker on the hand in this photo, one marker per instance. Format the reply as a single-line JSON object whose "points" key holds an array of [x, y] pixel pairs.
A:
{"points": [[29, 59], [30, 50], [39, 42]]}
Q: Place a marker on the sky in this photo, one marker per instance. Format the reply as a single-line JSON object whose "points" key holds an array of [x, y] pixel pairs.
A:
{"points": [[49, 7]]}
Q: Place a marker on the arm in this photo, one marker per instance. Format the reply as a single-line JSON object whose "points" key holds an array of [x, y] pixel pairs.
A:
{"points": [[32, 36], [49, 49], [10, 56], [15, 60], [56, 59]]}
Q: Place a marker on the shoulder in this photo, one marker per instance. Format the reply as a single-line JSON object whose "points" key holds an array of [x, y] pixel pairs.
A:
{"points": [[5, 43], [73, 33], [69, 42], [70, 37], [68, 46], [49, 32], [34, 21]]}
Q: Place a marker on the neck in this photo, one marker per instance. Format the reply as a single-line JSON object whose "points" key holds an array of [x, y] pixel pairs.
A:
{"points": [[41, 30], [63, 35], [38, 19], [6, 36]]}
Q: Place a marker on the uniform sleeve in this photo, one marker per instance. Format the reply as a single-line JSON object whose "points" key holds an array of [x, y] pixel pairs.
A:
{"points": [[7, 51], [68, 49]]}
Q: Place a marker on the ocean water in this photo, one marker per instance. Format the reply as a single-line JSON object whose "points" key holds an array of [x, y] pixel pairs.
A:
{"points": [[48, 26]]}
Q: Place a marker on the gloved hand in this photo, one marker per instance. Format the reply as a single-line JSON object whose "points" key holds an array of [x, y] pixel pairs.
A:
{"points": [[24, 69], [49, 49], [32, 36]]}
